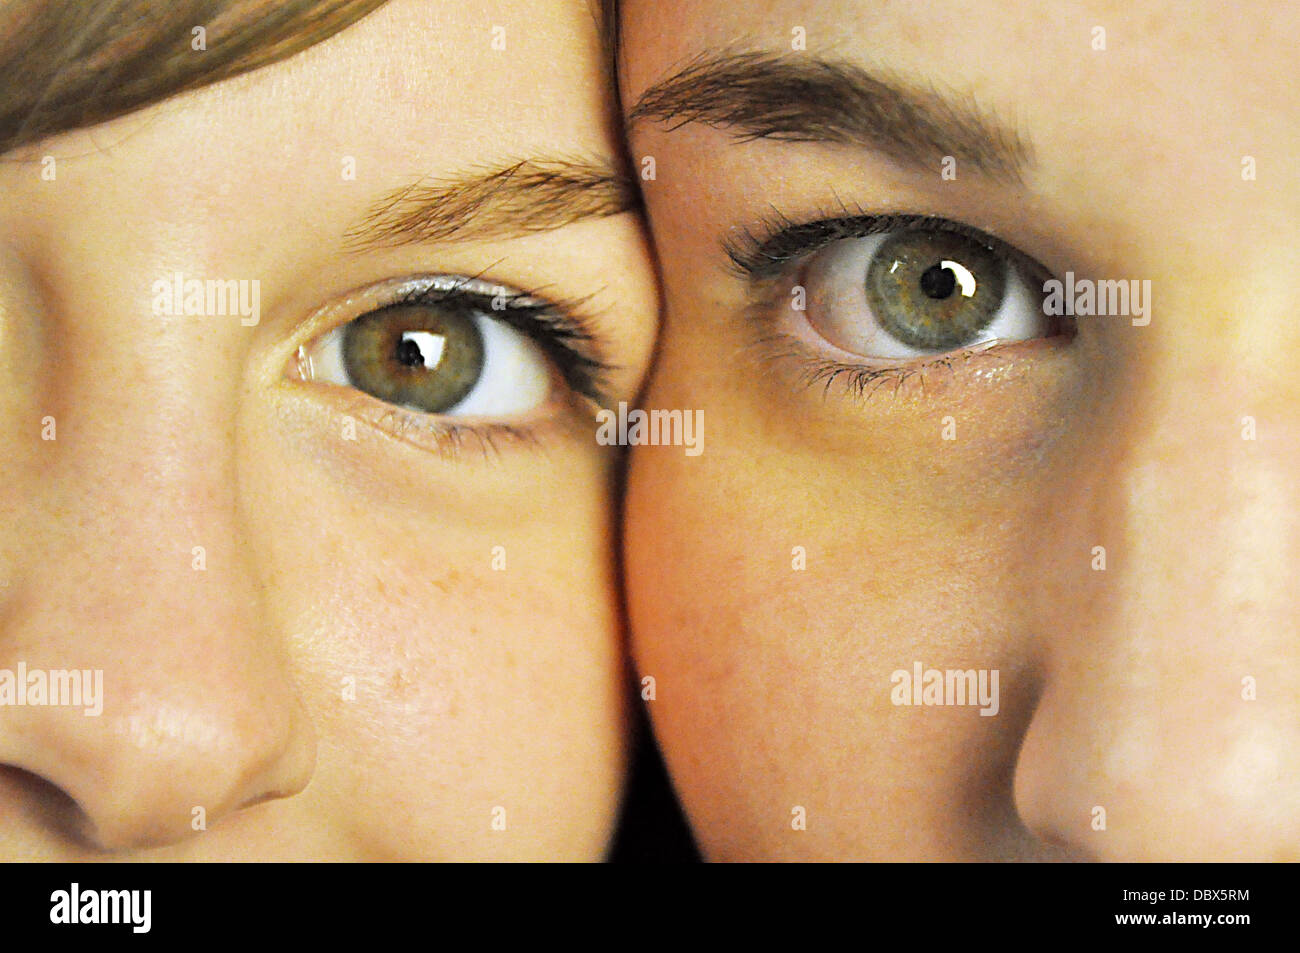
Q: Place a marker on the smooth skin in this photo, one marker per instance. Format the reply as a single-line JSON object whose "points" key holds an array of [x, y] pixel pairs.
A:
{"points": [[1162, 689], [349, 677]]}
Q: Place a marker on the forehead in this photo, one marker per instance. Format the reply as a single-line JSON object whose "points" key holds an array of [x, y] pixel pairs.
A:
{"points": [[1030, 39], [414, 89], [434, 81], [1145, 107], [1003, 48]]}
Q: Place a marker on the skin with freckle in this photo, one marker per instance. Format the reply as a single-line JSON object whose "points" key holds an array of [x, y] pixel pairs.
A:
{"points": [[322, 637], [832, 536]]}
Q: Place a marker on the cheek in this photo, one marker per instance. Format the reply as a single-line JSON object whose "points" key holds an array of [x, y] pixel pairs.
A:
{"points": [[774, 593], [458, 645], [474, 689]]}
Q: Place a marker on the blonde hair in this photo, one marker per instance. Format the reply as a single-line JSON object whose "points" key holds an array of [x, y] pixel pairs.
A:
{"points": [[67, 64]]}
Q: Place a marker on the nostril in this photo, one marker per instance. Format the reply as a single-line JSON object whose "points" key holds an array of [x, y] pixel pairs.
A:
{"points": [[40, 804]]}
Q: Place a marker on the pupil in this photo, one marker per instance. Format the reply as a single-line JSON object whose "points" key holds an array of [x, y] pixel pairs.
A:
{"points": [[408, 353], [938, 282]]}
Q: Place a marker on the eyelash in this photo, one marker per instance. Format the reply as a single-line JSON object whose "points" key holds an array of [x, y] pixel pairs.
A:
{"points": [[776, 245], [552, 324], [863, 381], [558, 326]]}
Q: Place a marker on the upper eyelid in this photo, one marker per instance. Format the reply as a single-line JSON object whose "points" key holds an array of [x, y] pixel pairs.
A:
{"points": [[778, 242], [564, 326], [551, 322]]}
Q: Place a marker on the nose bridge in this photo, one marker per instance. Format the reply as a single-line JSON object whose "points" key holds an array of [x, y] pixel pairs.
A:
{"points": [[134, 560], [1170, 684]]}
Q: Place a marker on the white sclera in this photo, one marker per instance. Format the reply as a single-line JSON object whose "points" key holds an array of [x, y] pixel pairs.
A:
{"points": [[516, 376], [837, 305]]}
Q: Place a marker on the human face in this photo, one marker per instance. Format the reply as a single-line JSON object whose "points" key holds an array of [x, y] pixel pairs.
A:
{"points": [[1100, 510], [328, 627]]}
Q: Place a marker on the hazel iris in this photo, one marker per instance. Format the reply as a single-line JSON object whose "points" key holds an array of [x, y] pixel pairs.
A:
{"points": [[935, 290], [426, 358]]}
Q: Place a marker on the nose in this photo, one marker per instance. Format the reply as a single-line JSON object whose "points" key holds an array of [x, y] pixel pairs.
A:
{"points": [[1169, 722], [130, 567]]}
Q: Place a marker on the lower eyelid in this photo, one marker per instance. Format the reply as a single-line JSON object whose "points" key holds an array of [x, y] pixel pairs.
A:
{"points": [[450, 438], [930, 376], [351, 410]]}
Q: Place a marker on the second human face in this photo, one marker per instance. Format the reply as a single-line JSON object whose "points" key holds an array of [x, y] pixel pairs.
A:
{"points": [[914, 465]]}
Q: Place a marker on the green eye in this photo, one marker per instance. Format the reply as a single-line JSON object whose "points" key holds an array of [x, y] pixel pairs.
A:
{"points": [[935, 290], [428, 358], [453, 346]]}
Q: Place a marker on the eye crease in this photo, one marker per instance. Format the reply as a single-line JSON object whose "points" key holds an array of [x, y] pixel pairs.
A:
{"points": [[454, 346]]}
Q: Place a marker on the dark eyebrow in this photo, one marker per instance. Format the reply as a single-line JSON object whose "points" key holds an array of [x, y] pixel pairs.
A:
{"points": [[801, 98], [519, 198]]}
